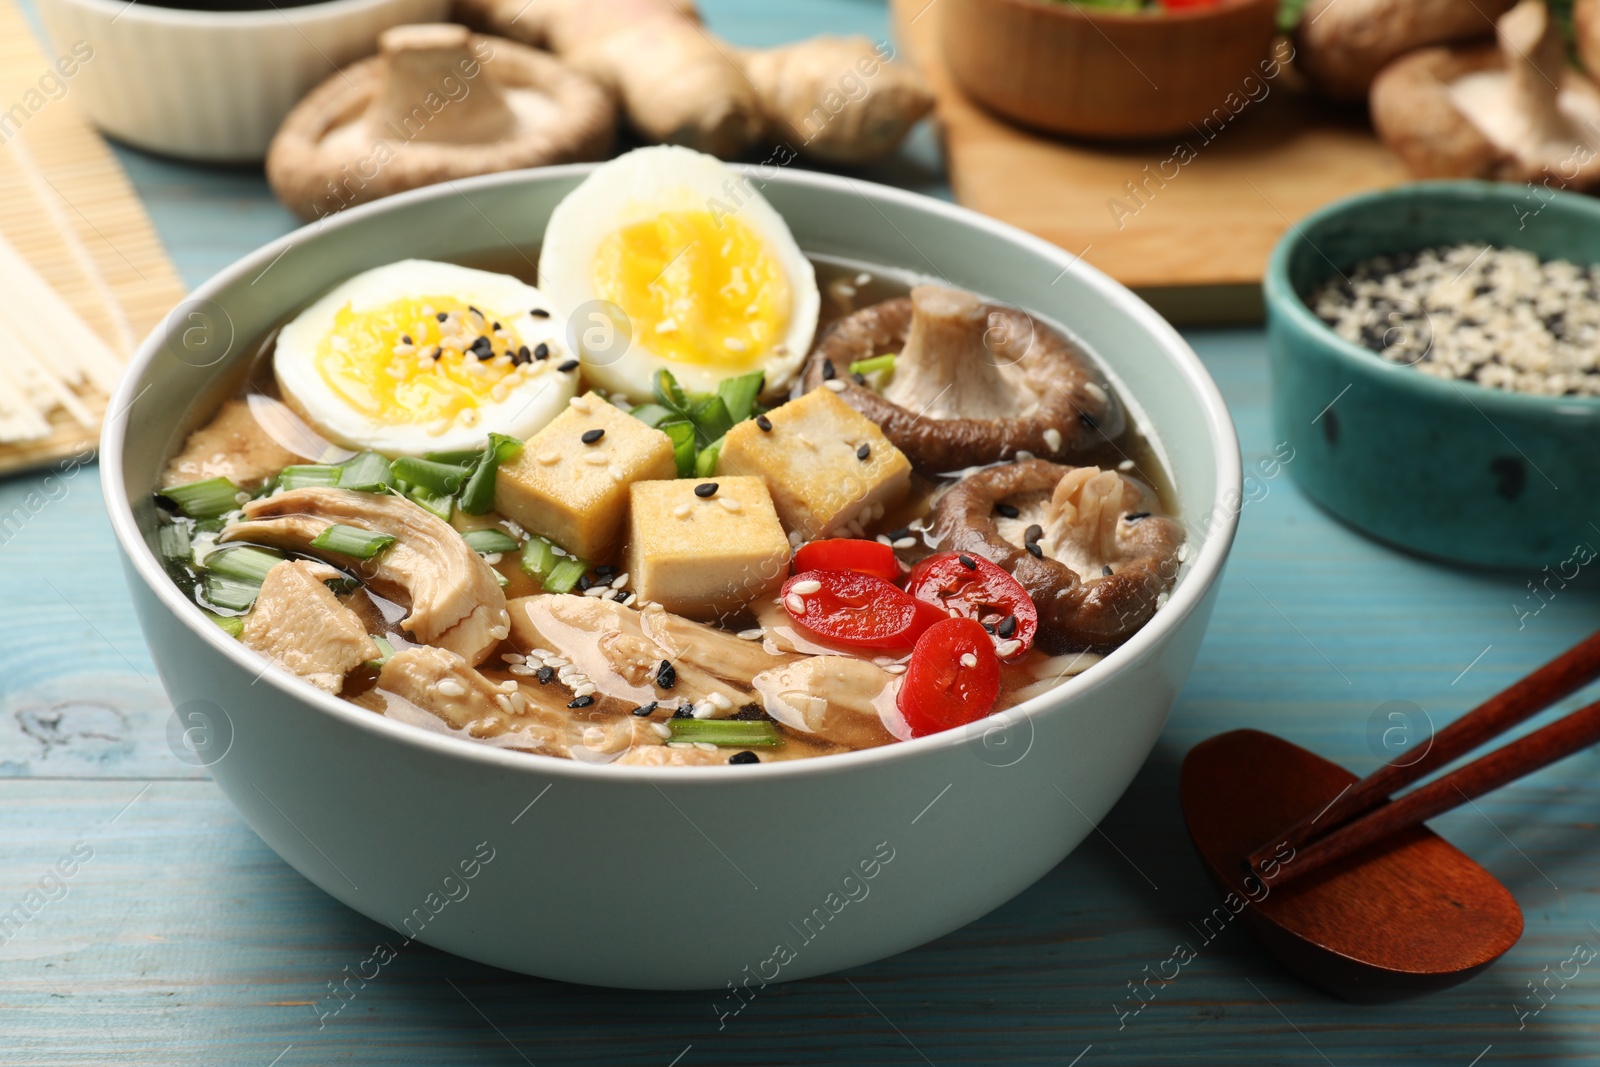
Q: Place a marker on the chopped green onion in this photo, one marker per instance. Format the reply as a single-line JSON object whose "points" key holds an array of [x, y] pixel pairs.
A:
{"points": [[711, 419], [490, 540], [232, 625], [343, 585], [729, 733], [876, 363], [365, 472], [739, 394], [669, 394], [246, 562], [502, 579], [385, 650], [478, 497], [461, 457], [651, 414], [439, 504], [442, 478], [538, 557], [705, 464], [303, 475], [683, 436], [564, 575], [352, 541], [172, 541], [206, 499], [234, 594]]}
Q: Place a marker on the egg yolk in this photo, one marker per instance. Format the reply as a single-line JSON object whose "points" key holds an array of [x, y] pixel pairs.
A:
{"points": [[697, 288], [399, 363]]}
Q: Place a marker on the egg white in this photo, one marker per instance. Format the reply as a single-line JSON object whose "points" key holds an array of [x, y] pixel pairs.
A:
{"points": [[637, 187], [528, 405]]}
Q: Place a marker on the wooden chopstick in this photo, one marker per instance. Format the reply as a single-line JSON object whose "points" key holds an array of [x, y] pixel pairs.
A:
{"points": [[1546, 745], [1559, 678]]}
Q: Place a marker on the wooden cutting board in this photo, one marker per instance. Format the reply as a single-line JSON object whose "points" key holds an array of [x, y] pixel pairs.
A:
{"points": [[67, 207], [1194, 244]]}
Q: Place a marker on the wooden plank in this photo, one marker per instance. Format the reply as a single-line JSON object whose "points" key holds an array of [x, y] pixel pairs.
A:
{"points": [[1198, 212]]}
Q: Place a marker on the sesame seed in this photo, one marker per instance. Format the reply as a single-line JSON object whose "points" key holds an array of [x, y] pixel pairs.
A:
{"points": [[720, 700], [521, 669], [546, 675], [704, 710], [1006, 626], [550, 459], [645, 709], [581, 404], [1088, 420], [1007, 649], [617, 473], [795, 603], [755, 633], [863, 452], [539, 313], [806, 587], [730, 504], [705, 490], [683, 711], [764, 424], [1034, 550], [569, 365], [744, 757], [1106, 571], [662, 730], [681, 511], [666, 675], [1033, 533], [451, 688], [968, 659], [1023, 455], [405, 338], [827, 370], [443, 316], [903, 543], [1052, 439], [1008, 510], [580, 701], [1135, 516], [836, 386], [967, 561], [591, 436], [895, 668], [596, 459]]}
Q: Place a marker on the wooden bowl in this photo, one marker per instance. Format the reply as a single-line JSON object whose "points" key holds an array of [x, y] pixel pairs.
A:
{"points": [[1110, 75]]}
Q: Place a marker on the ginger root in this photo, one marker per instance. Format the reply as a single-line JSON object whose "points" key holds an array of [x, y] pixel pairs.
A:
{"points": [[836, 99]]}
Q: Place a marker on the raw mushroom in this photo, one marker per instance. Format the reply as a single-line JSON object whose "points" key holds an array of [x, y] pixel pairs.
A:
{"points": [[1343, 44], [972, 383], [1513, 113], [1105, 554], [436, 103], [454, 598]]}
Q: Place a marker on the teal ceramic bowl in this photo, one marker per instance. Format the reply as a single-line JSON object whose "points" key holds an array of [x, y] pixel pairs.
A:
{"points": [[1446, 469]]}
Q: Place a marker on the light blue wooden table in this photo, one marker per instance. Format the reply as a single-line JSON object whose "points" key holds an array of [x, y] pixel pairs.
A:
{"points": [[183, 940]]}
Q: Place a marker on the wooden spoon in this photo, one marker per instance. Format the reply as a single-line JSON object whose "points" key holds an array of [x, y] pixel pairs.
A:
{"points": [[1409, 915]]}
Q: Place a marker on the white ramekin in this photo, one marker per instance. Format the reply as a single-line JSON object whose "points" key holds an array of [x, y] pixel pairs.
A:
{"points": [[212, 85]]}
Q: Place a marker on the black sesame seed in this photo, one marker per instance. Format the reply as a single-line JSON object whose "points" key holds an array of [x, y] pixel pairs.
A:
{"points": [[437, 352], [863, 452], [620, 595], [584, 582], [1008, 510], [988, 627], [666, 675], [968, 562], [541, 351], [644, 709], [683, 712], [1033, 533], [443, 316], [895, 535], [1035, 550], [859, 379], [495, 327], [764, 423], [405, 338], [605, 570], [591, 436], [1088, 420], [539, 313], [580, 702], [482, 347], [1135, 516], [1006, 626], [522, 356], [705, 489], [545, 675], [744, 757], [827, 370], [569, 365], [1106, 571]]}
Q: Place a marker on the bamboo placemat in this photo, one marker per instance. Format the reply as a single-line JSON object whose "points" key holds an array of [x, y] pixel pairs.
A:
{"points": [[68, 208]]}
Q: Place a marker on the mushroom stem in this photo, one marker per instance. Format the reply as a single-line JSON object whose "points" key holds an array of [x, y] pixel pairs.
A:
{"points": [[950, 360], [1536, 60], [434, 60]]}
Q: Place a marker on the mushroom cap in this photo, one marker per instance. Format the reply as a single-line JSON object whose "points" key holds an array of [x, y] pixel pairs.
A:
{"points": [[437, 103], [1493, 112], [1000, 360], [1342, 45], [1076, 611]]}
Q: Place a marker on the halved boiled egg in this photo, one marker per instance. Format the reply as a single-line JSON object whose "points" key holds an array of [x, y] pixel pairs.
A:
{"points": [[668, 258], [420, 356]]}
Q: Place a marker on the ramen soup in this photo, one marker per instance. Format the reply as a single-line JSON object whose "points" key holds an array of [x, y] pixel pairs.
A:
{"points": [[693, 499]]}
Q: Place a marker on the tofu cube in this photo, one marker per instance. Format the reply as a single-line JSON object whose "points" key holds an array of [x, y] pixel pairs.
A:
{"points": [[576, 493], [825, 464], [704, 556]]}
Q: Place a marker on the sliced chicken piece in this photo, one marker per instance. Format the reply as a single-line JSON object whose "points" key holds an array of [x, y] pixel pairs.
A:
{"points": [[621, 651], [514, 715], [299, 624], [672, 756], [233, 445], [453, 597], [837, 698]]}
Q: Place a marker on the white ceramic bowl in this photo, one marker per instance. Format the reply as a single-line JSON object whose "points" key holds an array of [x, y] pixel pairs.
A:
{"points": [[668, 877], [212, 85]]}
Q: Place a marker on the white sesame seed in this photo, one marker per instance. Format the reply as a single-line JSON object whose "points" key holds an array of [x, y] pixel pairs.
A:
{"points": [[1004, 649], [661, 729], [505, 703], [705, 746], [508, 687], [755, 633], [512, 657], [720, 700], [596, 459], [581, 405], [521, 669], [620, 580], [1125, 465], [1023, 455], [835, 384], [730, 504], [795, 603], [597, 590], [905, 542], [895, 668], [805, 588], [681, 511], [968, 659], [451, 688], [704, 710], [1097, 394], [617, 473], [587, 689], [1052, 438], [549, 459]]}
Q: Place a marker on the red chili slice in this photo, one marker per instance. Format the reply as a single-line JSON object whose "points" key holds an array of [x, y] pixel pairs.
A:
{"points": [[973, 588], [849, 554], [856, 609], [953, 678]]}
